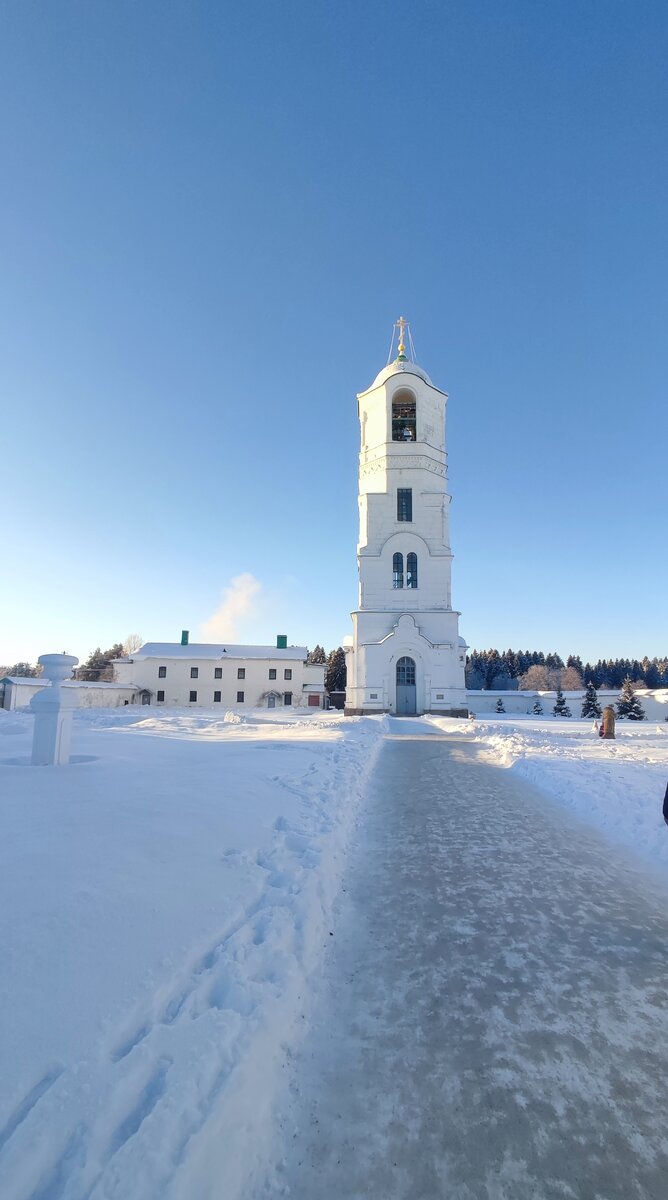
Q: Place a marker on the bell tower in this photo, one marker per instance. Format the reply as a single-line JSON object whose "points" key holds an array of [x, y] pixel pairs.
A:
{"points": [[406, 655]]}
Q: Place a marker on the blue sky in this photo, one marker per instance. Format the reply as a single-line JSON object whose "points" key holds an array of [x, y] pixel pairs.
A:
{"points": [[210, 216]]}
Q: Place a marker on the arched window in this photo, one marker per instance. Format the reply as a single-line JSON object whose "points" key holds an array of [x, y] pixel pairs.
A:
{"points": [[411, 570], [398, 571], [406, 672], [403, 416]]}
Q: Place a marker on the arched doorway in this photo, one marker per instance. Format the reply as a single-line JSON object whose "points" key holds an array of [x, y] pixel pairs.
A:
{"points": [[406, 705]]}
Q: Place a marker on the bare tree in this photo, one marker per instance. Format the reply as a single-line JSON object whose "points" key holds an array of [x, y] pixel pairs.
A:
{"points": [[571, 680], [536, 679], [132, 642]]}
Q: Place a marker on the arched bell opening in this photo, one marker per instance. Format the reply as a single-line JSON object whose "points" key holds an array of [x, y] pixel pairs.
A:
{"points": [[403, 416]]}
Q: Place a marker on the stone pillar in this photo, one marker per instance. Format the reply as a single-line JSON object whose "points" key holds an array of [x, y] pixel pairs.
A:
{"points": [[53, 707]]}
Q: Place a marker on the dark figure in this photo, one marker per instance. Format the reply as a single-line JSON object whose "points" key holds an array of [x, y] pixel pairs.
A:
{"points": [[665, 806], [608, 723]]}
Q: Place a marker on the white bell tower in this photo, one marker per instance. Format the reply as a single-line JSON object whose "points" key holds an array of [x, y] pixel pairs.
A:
{"points": [[406, 654]]}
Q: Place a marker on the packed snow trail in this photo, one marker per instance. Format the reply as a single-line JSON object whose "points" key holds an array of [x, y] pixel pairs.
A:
{"points": [[491, 1023]]}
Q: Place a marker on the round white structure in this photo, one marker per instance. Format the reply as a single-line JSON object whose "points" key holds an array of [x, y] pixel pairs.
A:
{"points": [[52, 708]]}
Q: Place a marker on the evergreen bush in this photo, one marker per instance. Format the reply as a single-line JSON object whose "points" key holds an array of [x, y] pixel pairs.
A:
{"points": [[561, 708], [628, 705], [590, 704]]}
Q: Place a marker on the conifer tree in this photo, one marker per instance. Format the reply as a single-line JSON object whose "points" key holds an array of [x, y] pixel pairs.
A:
{"points": [[628, 704], [574, 660], [492, 670], [652, 676], [335, 675], [98, 665], [537, 709], [590, 704], [499, 705], [317, 655], [561, 708]]}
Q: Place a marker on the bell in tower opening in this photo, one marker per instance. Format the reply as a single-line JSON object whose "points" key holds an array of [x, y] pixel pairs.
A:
{"points": [[405, 656]]}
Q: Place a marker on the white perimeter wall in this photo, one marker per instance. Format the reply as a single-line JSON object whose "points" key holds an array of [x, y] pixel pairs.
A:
{"points": [[19, 695], [654, 701]]}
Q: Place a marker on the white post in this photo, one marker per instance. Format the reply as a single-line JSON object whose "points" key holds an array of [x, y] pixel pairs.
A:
{"points": [[52, 707]]}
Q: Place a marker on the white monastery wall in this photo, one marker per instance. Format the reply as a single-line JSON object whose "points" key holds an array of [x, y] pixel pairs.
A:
{"points": [[654, 702], [18, 693]]}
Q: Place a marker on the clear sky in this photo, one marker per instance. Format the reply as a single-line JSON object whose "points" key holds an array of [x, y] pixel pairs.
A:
{"points": [[210, 216]]}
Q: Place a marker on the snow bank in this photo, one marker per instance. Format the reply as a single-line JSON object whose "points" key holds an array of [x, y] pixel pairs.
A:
{"points": [[616, 786], [162, 904]]}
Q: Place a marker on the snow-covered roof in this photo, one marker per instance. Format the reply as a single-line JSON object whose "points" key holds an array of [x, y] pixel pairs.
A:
{"points": [[30, 680], [398, 367], [218, 650], [40, 681]]}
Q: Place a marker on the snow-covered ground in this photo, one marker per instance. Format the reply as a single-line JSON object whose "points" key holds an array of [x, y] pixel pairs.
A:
{"points": [[491, 1021], [163, 901], [616, 786]]}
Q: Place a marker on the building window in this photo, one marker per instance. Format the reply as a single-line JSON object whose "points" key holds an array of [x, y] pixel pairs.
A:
{"points": [[194, 672], [440, 696], [160, 697], [397, 570], [218, 672], [193, 697], [216, 697], [404, 504], [373, 695], [240, 697], [272, 672], [406, 672], [287, 697], [287, 674], [411, 570], [403, 416], [162, 672], [241, 672]]}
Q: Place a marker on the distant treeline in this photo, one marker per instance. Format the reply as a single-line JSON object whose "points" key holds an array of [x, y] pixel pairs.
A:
{"points": [[529, 669]]}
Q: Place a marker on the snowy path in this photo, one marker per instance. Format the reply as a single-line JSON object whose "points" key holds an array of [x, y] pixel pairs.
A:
{"points": [[492, 1020]]}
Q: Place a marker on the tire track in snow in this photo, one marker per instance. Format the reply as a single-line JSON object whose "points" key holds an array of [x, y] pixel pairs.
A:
{"points": [[23, 1110]]}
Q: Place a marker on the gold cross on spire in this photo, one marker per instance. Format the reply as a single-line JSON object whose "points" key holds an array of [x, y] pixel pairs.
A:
{"points": [[401, 330], [402, 326]]}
